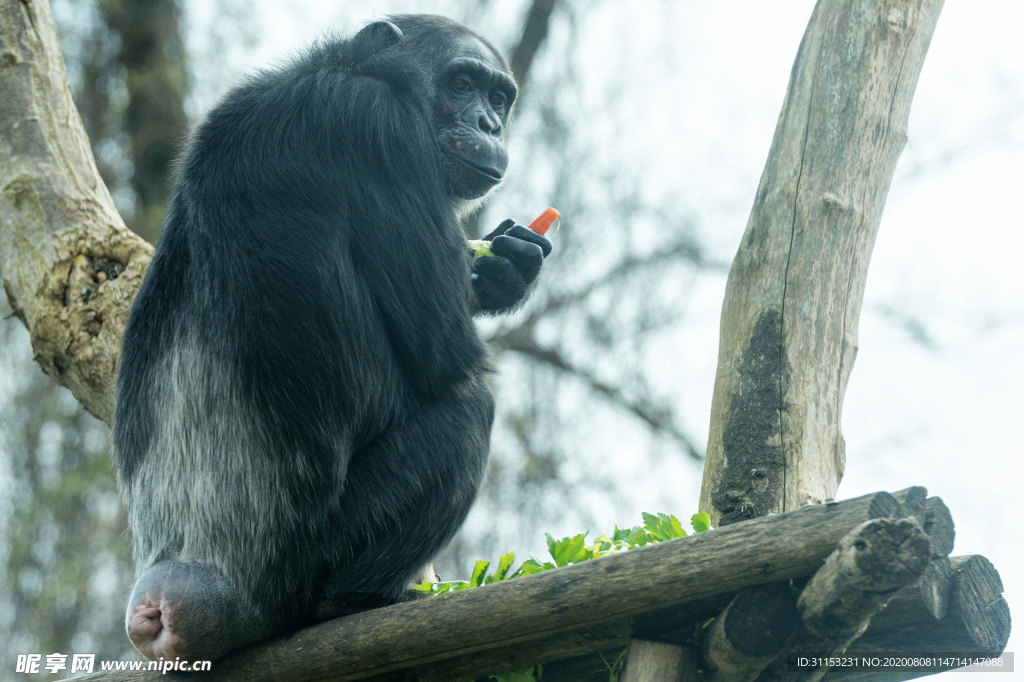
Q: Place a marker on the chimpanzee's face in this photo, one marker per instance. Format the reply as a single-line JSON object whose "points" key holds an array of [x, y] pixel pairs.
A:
{"points": [[474, 97]]}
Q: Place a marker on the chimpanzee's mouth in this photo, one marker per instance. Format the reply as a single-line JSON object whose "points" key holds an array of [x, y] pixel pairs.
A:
{"points": [[492, 174]]}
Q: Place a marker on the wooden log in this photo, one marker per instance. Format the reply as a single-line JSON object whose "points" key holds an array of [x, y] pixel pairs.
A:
{"points": [[935, 587], [912, 500], [648, 661], [597, 666], [978, 618], [869, 565], [904, 626], [938, 524], [794, 294], [750, 632], [977, 624], [933, 515], [691, 665], [936, 521], [602, 666], [571, 611]]}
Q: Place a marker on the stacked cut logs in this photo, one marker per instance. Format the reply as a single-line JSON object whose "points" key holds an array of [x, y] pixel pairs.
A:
{"points": [[813, 578], [889, 588]]}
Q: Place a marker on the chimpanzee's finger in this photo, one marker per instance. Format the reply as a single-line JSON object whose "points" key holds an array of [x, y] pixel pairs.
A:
{"points": [[526, 256], [505, 224], [526, 234]]}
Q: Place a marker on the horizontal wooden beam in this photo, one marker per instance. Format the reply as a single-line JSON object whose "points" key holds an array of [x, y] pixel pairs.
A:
{"points": [[578, 620], [557, 614], [976, 622]]}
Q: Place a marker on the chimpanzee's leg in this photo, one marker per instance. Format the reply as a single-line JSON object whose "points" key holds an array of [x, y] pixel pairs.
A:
{"points": [[405, 497], [187, 609]]}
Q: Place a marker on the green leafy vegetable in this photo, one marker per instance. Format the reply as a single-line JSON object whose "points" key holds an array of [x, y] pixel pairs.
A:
{"points": [[700, 522], [573, 550]]}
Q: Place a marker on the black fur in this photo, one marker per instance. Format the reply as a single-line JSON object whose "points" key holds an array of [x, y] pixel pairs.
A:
{"points": [[302, 416]]}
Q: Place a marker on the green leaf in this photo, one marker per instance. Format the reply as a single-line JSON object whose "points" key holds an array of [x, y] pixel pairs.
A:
{"points": [[531, 566], [630, 536], [568, 550], [552, 544], [700, 522], [635, 536], [479, 572], [663, 526], [504, 563], [621, 534], [442, 588], [601, 545], [651, 521]]}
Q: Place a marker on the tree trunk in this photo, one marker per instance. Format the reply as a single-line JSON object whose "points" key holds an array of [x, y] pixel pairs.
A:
{"points": [[793, 299], [70, 267]]}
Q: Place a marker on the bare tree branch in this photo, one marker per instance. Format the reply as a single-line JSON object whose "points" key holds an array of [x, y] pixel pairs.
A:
{"points": [[628, 266], [522, 341], [535, 32]]}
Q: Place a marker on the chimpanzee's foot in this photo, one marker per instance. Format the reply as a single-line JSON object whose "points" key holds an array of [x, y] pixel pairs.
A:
{"points": [[186, 609]]}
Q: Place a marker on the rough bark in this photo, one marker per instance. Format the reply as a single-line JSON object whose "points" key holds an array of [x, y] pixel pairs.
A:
{"points": [[936, 584], [977, 624], [750, 633], [858, 579], [794, 294], [70, 267], [869, 565], [978, 618]]}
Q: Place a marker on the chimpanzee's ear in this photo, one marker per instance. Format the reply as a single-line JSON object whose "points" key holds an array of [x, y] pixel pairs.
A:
{"points": [[375, 36]]}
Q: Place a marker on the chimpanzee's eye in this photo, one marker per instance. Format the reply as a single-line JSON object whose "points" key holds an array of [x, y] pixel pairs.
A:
{"points": [[498, 99]]}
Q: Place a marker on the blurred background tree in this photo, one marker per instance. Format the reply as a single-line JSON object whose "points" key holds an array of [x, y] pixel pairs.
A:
{"points": [[67, 566]]}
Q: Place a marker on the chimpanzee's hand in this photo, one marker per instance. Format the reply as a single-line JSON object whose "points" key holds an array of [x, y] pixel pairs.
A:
{"points": [[503, 282]]}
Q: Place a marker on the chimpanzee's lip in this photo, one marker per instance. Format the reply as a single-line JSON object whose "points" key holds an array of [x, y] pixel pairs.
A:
{"points": [[492, 174]]}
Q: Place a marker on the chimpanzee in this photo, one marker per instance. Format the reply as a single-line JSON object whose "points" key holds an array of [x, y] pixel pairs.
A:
{"points": [[302, 416]]}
